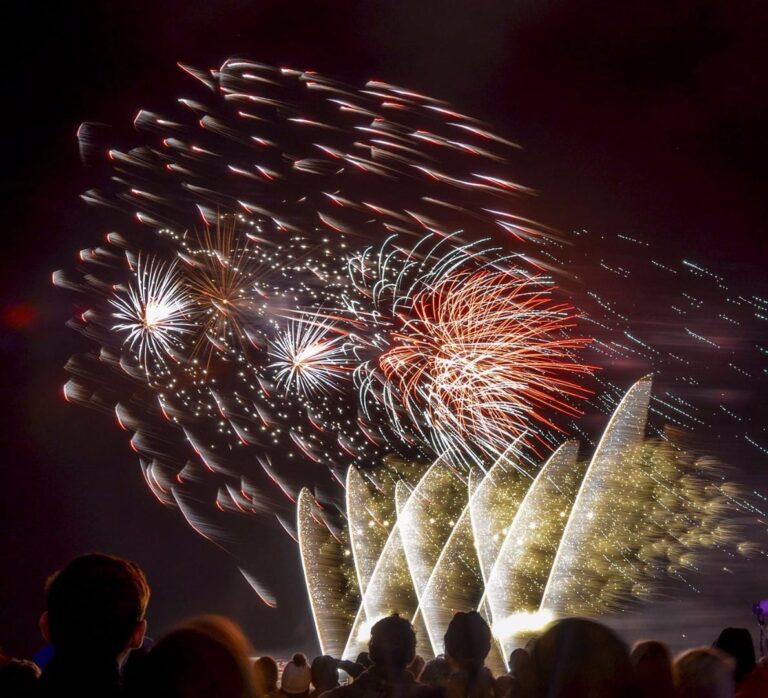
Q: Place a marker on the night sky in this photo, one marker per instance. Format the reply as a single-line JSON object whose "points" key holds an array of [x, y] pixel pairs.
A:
{"points": [[649, 120]]}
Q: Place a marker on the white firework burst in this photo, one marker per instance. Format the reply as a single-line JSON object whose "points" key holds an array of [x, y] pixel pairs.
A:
{"points": [[155, 310], [309, 356]]}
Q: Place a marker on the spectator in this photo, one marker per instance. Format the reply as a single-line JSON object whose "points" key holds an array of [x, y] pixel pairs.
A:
{"points": [[296, 677], [704, 673], [325, 674], [653, 669], [207, 656], [392, 648], [578, 658], [265, 672], [755, 685], [416, 666], [737, 643], [518, 682], [364, 660], [467, 643], [436, 673], [95, 609], [352, 668], [18, 678]]}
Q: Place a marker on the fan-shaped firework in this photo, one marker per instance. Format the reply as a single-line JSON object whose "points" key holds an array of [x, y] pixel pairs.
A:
{"points": [[311, 275]]}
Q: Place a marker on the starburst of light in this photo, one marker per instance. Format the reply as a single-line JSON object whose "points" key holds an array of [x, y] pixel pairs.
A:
{"points": [[484, 355], [307, 357], [154, 310], [467, 350], [223, 275]]}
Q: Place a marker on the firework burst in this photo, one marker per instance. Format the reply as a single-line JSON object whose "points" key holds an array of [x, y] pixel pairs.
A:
{"points": [[467, 351], [154, 311], [308, 359], [484, 356], [366, 284], [224, 273]]}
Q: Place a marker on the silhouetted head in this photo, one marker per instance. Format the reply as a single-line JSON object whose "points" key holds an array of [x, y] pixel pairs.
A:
{"points": [[737, 642], [416, 666], [393, 643], [468, 640], [95, 606], [225, 631], [520, 663], [436, 672], [296, 676], [197, 660], [325, 672], [18, 678], [578, 658], [652, 661], [704, 673], [363, 659], [266, 673]]}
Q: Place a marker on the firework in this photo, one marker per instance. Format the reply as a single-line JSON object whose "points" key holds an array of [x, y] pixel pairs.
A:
{"points": [[307, 357], [223, 277], [584, 538], [309, 275], [468, 351], [154, 311], [484, 355]]}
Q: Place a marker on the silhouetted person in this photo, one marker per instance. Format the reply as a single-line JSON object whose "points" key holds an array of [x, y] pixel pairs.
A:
{"points": [[354, 669], [325, 674], [95, 608], [364, 660], [704, 673], [296, 678], [436, 673], [519, 681], [578, 658], [18, 678], [392, 648], [266, 673], [653, 669], [737, 643], [467, 643], [205, 657], [416, 666]]}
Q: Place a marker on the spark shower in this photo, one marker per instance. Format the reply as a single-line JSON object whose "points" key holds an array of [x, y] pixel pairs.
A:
{"points": [[581, 538]]}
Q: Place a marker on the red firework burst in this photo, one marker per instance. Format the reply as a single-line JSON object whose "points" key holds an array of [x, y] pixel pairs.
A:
{"points": [[484, 357]]}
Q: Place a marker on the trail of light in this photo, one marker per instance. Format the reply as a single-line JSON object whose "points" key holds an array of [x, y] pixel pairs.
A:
{"points": [[516, 582], [589, 521]]}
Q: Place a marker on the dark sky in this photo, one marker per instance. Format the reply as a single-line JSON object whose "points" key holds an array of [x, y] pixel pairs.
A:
{"points": [[647, 117]]}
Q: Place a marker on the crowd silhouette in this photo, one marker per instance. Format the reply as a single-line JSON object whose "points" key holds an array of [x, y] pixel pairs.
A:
{"points": [[94, 621]]}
